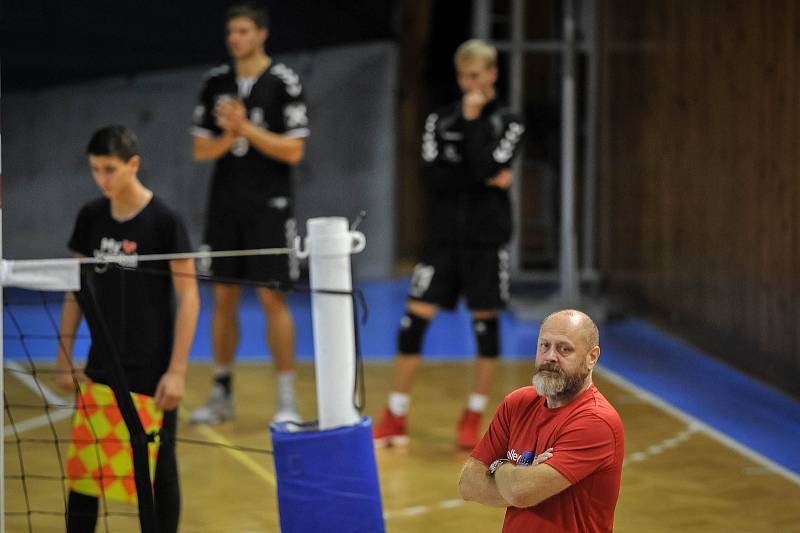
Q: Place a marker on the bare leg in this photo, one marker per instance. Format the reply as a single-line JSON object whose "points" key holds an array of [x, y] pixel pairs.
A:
{"points": [[484, 374], [280, 338], [405, 368], [280, 328], [224, 340], [225, 323]]}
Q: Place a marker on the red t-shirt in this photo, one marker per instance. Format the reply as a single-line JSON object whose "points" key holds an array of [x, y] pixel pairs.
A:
{"points": [[587, 440]]}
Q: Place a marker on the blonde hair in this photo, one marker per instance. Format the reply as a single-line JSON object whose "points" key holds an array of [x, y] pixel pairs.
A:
{"points": [[476, 49]]}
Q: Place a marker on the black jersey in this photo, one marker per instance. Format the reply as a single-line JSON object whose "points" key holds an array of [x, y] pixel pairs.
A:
{"points": [[137, 306], [274, 101], [459, 156]]}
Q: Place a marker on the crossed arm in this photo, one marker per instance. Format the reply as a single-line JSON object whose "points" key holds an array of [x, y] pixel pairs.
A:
{"points": [[511, 485]]}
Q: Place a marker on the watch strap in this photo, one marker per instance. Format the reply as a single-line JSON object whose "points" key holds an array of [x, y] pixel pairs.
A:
{"points": [[495, 465]]}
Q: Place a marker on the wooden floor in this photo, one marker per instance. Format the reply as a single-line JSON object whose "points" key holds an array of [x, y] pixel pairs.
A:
{"points": [[676, 476]]}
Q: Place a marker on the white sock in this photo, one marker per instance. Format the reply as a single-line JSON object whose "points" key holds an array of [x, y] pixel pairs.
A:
{"points": [[223, 380], [286, 389], [477, 402], [398, 403], [222, 370]]}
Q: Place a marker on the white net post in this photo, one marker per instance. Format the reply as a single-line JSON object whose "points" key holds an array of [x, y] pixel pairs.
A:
{"points": [[328, 246]]}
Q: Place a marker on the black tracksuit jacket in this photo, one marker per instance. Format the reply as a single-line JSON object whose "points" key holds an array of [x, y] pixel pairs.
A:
{"points": [[459, 156]]}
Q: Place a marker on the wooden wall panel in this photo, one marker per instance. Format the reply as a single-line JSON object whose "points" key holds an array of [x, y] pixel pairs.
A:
{"points": [[700, 196], [416, 25]]}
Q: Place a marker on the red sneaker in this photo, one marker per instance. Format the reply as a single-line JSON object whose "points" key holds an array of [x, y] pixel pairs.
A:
{"points": [[390, 431], [469, 430]]}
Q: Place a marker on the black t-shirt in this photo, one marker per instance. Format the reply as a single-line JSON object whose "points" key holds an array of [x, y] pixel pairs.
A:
{"points": [[137, 305], [274, 101]]}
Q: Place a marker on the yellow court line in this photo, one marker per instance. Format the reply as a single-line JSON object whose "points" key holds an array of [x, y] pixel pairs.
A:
{"points": [[213, 436]]}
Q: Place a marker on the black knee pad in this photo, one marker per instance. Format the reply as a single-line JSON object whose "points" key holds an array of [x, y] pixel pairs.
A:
{"points": [[487, 335], [412, 331]]}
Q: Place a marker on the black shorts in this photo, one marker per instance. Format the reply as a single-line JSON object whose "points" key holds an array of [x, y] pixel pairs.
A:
{"points": [[481, 274], [235, 229]]}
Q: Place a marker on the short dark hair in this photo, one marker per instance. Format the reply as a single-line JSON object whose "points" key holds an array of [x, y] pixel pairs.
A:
{"points": [[252, 10], [114, 140]]}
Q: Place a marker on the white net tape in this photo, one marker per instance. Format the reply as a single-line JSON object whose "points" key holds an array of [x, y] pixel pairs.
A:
{"points": [[64, 274]]}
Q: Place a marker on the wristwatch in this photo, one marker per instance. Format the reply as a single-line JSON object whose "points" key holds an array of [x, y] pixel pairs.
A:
{"points": [[495, 465]]}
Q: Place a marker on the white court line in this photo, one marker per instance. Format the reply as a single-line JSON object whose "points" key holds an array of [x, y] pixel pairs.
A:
{"points": [[33, 423], [698, 426], [661, 447], [422, 509], [29, 381], [41, 390]]}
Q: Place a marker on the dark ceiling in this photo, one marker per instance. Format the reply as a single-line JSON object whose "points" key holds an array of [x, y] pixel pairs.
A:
{"points": [[46, 42]]}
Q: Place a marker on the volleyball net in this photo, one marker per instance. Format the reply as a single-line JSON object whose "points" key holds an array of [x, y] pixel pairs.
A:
{"points": [[103, 440]]}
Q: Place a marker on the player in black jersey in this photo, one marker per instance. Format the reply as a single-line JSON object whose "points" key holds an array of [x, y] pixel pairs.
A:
{"points": [[252, 120], [467, 149], [152, 339]]}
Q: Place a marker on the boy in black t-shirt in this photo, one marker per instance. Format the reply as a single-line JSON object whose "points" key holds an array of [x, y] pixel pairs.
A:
{"points": [[151, 335]]}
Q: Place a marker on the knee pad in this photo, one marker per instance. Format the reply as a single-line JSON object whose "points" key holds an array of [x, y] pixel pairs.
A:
{"points": [[412, 331], [487, 335]]}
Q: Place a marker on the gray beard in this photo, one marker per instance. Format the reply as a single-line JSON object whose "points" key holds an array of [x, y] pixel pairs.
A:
{"points": [[559, 386]]}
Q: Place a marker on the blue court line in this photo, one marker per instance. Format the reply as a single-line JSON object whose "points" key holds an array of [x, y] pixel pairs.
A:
{"points": [[720, 396]]}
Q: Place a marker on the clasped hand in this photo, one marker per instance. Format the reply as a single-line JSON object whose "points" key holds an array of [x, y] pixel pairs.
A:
{"points": [[230, 115]]}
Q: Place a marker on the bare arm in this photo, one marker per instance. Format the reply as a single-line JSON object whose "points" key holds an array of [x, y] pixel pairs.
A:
{"points": [[208, 148], [70, 320], [476, 485], [275, 145], [170, 390], [529, 486]]}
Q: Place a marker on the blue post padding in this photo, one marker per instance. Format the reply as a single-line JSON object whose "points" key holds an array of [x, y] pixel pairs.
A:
{"points": [[327, 480]]}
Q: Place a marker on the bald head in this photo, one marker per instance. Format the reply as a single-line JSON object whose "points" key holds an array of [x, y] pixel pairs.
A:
{"points": [[576, 322]]}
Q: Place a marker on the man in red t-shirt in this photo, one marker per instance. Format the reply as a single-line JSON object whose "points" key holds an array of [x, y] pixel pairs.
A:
{"points": [[553, 452]]}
